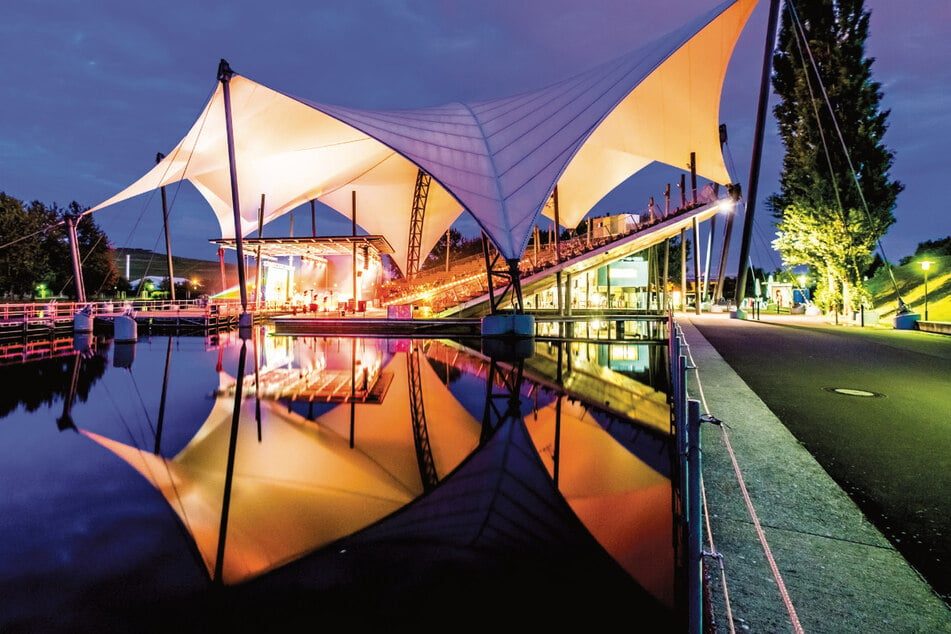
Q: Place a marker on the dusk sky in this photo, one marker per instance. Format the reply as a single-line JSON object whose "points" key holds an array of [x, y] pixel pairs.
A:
{"points": [[91, 90]]}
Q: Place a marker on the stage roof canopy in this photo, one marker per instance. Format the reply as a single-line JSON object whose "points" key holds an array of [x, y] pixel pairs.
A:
{"points": [[499, 159], [320, 246]]}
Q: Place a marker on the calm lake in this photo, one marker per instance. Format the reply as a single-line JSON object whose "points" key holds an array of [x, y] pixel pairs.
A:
{"points": [[196, 483]]}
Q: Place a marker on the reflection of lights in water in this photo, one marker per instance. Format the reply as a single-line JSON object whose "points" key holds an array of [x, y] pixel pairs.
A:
{"points": [[582, 351], [626, 353], [302, 483], [549, 329]]}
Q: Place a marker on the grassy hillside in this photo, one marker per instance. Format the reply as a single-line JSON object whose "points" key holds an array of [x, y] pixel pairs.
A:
{"points": [[207, 272], [910, 282]]}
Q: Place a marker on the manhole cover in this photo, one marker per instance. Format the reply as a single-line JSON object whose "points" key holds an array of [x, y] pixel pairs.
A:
{"points": [[849, 391]]}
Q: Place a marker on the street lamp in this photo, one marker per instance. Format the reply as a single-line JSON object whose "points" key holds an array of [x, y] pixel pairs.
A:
{"points": [[802, 288], [926, 266]]}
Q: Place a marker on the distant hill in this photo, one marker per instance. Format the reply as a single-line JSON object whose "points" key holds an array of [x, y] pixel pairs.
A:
{"points": [[143, 262]]}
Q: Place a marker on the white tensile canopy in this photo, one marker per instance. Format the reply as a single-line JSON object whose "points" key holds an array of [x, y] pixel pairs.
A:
{"points": [[498, 159], [299, 485]]}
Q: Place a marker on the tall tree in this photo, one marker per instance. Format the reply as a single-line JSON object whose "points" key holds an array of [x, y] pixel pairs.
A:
{"points": [[23, 262], [35, 249], [830, 217]]}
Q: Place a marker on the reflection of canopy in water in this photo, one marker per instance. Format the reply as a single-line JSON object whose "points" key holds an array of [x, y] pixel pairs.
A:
{"points": [[302, 485], [623, 502], [498, 159], [497, 531]]}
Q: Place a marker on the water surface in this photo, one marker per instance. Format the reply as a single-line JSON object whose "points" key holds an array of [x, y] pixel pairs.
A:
{"points": [[216, 482]]}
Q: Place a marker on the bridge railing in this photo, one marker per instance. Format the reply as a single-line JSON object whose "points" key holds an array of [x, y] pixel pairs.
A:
{"points": [[51, 310], [685, 428]]}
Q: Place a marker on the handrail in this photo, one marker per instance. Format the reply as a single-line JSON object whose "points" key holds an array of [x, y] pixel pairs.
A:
{"points": [[53, 310], [685, 427]]}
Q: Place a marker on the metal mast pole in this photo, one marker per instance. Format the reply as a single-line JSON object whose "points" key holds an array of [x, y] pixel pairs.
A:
{"points": [[224, 76], [257, 258], [71, 222], [168, 239], [353, 204], [696, 264], [757, 152]]}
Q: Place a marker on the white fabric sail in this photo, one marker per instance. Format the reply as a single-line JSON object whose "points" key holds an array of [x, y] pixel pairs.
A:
{"points": [[292, 153], [498, 159]]}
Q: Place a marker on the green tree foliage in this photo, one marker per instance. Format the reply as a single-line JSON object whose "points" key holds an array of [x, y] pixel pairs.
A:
{"points": [[36, 250], [459, 248], [673, 258], [823, 221], [23, 262], [929, 249], [806, 237], [437, 257]]}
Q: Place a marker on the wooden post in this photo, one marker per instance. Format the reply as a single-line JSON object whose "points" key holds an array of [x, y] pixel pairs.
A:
{"points": [[313, 220], [667, 200], [683, 191]]}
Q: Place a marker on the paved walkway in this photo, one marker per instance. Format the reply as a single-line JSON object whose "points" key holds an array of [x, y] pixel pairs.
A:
{"points": [[838, 573]]}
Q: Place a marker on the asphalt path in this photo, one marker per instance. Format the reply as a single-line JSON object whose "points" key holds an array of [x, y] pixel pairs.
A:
{"points": [[884, 436]]}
